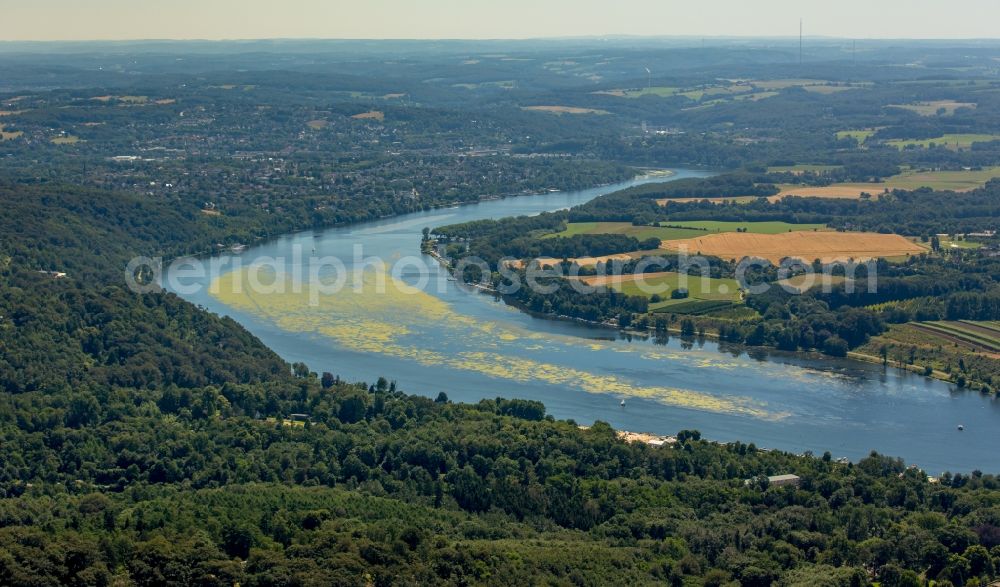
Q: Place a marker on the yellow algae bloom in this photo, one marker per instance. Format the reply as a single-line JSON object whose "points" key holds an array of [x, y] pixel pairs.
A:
{"points": [[376, 313]]}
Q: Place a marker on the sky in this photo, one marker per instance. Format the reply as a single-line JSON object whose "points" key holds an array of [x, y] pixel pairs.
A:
{"points": [[39, 20]]}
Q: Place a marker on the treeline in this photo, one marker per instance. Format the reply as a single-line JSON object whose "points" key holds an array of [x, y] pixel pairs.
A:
{"points": [[165, 487], [725, 185]]}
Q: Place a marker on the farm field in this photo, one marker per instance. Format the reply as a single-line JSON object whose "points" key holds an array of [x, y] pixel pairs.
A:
{"points": [[860, 136], [828, 247], [626, 228], [958, 181], [65, 140], [773, 227], [564, 110], [932, 108], [955, 142], [977, 336], [664, 282], [850, 191], [920, 348], [829, 89]]}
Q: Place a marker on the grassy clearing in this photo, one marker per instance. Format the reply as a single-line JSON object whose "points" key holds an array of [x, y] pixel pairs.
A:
{"points": [[370, 115], [65, 140], [755, 96], [317, 124], [956, 142], [751, 227], [805, 282], [9, 135], [934, 108], [559, 110], [626, 228], [860, 136], [663, 283], [949, 243], [826, 90]]}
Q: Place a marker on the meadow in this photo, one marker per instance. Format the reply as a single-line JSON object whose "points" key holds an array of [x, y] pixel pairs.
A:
{"points": [[860, 136], [663, 283], [9, 135], [935, 107], [626, 228], [955, 142]]}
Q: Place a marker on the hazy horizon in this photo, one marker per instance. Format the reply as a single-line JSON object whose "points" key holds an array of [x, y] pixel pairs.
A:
{"points": [[213, 20]]}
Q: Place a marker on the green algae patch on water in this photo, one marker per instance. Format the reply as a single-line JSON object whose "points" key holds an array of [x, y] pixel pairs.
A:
{"points": [[377, 314]]}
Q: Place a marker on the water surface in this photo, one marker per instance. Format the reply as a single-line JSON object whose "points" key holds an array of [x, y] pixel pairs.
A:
{"points": [[442, 337]]}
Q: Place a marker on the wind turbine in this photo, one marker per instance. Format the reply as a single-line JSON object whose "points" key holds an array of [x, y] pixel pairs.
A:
{"points": [[649, 77]]}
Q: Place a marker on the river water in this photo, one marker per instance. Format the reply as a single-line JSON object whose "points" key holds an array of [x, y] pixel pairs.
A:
{"points": [[430, 335]]}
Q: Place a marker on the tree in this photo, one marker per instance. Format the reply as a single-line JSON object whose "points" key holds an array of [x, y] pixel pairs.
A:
{"points": [[328, 380]]}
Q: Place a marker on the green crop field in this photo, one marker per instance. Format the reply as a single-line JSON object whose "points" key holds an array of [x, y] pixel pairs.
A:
{"points": [[627, 228], [698, 288], [982, 335], [775, 227], [691, 307], [950, 141]]}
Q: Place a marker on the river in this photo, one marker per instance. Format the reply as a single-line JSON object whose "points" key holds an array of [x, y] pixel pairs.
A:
{"points": [[436, 336]]}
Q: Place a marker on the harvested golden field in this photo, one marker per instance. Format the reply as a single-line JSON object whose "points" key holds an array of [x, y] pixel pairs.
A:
{"points": [[11, 112], [935, 108], [564, 110], [317, 124], [850, 191], [370, 115], [808, 246]]}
